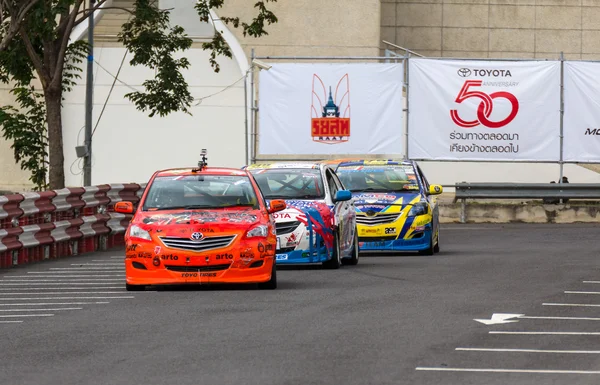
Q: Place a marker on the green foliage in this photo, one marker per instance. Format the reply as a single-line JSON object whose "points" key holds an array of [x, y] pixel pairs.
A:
{"points": [[27, 129], [256, 28], [154, 44], [75, 55]]}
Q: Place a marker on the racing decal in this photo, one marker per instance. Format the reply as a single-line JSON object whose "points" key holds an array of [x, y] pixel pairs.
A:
{"points": [[199, 217]]}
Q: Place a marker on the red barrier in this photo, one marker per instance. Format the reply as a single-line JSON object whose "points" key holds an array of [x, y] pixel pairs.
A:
{"points": [[53, 224]]}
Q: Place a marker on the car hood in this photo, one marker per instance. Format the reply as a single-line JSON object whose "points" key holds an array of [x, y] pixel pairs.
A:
{"points": [[377, 202], [216, 220]]}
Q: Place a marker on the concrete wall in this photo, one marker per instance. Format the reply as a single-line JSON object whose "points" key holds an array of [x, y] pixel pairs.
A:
{"points": [[313, 27], [494, 28]]}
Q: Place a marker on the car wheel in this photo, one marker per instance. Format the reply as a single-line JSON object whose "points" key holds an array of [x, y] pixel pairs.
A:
{"points": [[354, 259], [129, 287], [428, 250], [272, 283], [436, 248], [335, 261]]}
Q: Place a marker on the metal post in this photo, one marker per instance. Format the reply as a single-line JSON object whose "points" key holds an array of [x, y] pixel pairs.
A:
{"points": [[562, 113], [247, 158], [253, 107], [89, 102], [463, 211], [406, 59]]}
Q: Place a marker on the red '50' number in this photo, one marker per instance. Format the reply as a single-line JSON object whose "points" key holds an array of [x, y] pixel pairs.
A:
{"points": [[485, 107]]}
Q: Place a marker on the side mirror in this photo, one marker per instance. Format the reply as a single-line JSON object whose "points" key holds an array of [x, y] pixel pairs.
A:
{"points": [[343, 195], [435, 189], [124, 207], [276, 205]]}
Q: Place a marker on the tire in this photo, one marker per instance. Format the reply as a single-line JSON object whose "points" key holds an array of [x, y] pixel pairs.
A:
{"points": [[353, 261], [430, 249], [272, 283], [335, 261], [129, 287]]}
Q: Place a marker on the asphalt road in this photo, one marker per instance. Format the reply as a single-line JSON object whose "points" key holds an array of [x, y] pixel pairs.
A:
{"points": [[389, 320]]}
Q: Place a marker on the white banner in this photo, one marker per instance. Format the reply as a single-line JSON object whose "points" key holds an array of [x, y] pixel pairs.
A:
{"points": [[331, 108], [581, 122], [484, 110]]}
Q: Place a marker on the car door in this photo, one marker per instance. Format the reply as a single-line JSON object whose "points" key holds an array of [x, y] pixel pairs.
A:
{"points": [[350, 214], [341, 211]]}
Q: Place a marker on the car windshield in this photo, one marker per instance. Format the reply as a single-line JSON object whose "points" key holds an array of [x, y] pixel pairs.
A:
{"points": [[378, 178], [200, 192], [290, 183]]}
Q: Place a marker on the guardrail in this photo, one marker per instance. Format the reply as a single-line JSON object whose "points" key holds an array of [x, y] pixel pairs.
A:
{"points": [[549, 192], [60, 223]]}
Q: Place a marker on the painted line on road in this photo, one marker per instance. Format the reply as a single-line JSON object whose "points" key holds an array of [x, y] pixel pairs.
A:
{"points": [[54, 303], [62, 280], [88, 268], [97, 264], [65, 276], [563, 318], [60, 288], [71, 273], [572, 304], [591, 281], [530, 350], [549, 333], [57, 283], [26, 315], [10, 322], [40, 298], [55, 309], [75, 292], [541, 371], [581, 292]]}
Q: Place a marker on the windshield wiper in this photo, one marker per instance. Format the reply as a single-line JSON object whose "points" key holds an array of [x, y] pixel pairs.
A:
{"points": [[370, 189]]}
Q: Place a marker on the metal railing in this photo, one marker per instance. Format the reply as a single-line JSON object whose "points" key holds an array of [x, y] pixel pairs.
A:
{"points": [[551, 193]]}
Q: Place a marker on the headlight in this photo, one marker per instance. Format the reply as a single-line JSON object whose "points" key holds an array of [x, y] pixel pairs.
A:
{"points": [[420, 208], [258, 231], [138, 232]]}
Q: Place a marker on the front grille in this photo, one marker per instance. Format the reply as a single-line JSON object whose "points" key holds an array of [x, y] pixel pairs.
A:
{"points": [[377, 239], [286, 227], [379, 219], [286, 249], [186, 269], [208, 243]]}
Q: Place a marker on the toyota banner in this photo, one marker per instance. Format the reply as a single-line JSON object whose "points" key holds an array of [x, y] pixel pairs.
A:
{"points": [[484, 110]]}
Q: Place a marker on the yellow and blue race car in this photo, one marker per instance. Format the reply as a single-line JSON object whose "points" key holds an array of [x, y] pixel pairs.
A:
{"points": [[395, 205]]}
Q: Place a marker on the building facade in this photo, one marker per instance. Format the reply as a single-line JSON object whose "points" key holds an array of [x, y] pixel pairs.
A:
{"points": [[128, 145]]}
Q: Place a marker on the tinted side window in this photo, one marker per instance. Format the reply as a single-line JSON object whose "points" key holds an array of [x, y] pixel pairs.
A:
{"points": [[333, 187]]}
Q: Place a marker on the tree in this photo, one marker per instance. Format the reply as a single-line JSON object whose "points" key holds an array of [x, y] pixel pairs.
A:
{"points": [[41, 50]]}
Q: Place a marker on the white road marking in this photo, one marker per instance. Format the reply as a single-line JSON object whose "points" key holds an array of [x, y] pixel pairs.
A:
{"points": [[65, 276], [511, 370], [57, 283], [97, 264], [53, 303], [591, 281], [62, 280], [550, 333], [10, 322], [25, 315], [572, 304], [581, 292], [40, 298], [565, 318], [56, 309], [74, 292], [530, 350], [87, 268], [77, 272], [60, 288]]}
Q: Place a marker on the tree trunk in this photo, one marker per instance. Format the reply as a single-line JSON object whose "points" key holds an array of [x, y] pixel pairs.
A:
{"points": [[53, 98]]}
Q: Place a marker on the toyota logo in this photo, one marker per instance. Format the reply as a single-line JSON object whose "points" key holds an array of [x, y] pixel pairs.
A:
{"points": [[197, 236], [464, 72]]}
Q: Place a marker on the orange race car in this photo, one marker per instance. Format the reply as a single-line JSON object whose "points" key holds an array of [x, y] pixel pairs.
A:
{"points": [[201, 225]]}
